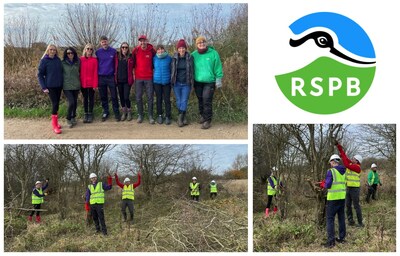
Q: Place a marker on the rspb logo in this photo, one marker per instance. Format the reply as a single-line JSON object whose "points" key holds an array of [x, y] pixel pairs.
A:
{"points": [[342, 74]]}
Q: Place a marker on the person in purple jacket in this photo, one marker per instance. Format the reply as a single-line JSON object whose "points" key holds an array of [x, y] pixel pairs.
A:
{"points": [[38, 199], [95, 198], [50, 76], [336, 186], [106, 56]]}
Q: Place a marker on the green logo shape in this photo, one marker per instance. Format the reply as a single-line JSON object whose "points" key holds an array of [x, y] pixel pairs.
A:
{"points": [[326, 86]]}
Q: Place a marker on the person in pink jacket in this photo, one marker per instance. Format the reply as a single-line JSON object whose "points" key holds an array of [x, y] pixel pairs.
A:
{"points": [[89, 80]]}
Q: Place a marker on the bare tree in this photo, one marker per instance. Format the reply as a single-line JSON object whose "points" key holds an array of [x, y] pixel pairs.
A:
{"points": [[151, 20], [156, 162], [21, 168], [86, 23], [21, 32], [379, 140], [84, 159]]}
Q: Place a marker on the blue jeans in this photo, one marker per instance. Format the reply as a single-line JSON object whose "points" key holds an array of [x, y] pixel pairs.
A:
{"points": [[104, 82], [334, 207], [182, 92]]}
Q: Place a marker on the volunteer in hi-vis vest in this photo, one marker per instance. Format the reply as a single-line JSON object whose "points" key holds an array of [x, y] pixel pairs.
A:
{"points": [[128, 195], [213, 189], [373, 181], [272, 188], [37, 199], [353, 174], [335, 183], [95, 198], [194, 188]]}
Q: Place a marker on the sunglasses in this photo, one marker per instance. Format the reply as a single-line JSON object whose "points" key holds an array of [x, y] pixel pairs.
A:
{"points": [[70, 53], [124, 47], [89, 49]]}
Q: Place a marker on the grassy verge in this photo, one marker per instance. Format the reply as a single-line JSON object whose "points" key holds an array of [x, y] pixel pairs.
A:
{"points": [[298, 233], [226, 109]]}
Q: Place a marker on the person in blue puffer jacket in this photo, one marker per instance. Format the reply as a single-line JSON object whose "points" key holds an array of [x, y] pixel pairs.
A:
{"points": [[162, 83]]}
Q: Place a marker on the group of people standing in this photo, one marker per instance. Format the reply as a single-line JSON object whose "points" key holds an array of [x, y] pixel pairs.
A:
{"points": [[151, 71], [195, 187]]}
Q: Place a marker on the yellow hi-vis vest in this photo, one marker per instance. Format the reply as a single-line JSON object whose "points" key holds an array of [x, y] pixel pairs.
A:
{"points": [[128, 192], [195, 189], [338, 188], [270, 190], [36, 199], [352, 179], [213, 188], [96, 194]]}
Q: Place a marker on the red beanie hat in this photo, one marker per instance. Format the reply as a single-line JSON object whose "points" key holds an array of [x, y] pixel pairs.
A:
{"points": [[181, 43]]}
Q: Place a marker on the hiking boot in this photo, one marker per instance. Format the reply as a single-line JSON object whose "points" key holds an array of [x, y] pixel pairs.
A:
{"points": [[328, 245], [201, 120], [139, 119], [360, 225], [180, 119], [340, 241], [124, 114], [151, 120], [90, 118], [352, 223], [167, 121], [129, 115], [160, 119], [69, 122], [206, 125], [73, 121], [184, 119], [85, 118], [104, 117], [117, 117]]}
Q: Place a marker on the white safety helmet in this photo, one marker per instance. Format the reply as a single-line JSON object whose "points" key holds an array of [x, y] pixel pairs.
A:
{"points": [[194, 178], [358, 158], [92, 175], [126, 180], [274, 169], [374, 165], [38, 182], [335, 157], [213, 181]]}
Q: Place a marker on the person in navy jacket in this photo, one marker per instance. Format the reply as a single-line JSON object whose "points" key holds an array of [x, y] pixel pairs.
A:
{"points": [[50, 76]]}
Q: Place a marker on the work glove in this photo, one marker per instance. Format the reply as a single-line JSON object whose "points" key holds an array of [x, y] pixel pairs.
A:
{"points": [[46, 194], [87, 207], [335, 142], [218, 83]]}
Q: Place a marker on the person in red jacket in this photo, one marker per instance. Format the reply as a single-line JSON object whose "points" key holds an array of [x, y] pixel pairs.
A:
{"points": [[143, 55], [353, 185], [128, 195], [89, 80]]}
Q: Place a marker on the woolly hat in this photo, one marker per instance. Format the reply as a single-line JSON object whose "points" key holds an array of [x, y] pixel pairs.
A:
{"points": [[181, 43], [200, 39]]}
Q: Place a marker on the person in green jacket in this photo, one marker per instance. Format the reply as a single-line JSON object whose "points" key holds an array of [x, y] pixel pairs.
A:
{"points": [[72, 84], [207, 76], [373, 181]]}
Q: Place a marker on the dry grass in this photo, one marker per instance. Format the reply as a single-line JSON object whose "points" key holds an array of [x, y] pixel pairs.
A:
{"points": [[161, 225]]}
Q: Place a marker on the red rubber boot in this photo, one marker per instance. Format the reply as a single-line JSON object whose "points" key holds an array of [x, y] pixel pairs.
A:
{"points": [[54, 123], [266, 212], [29, 218], [38, 219]]}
